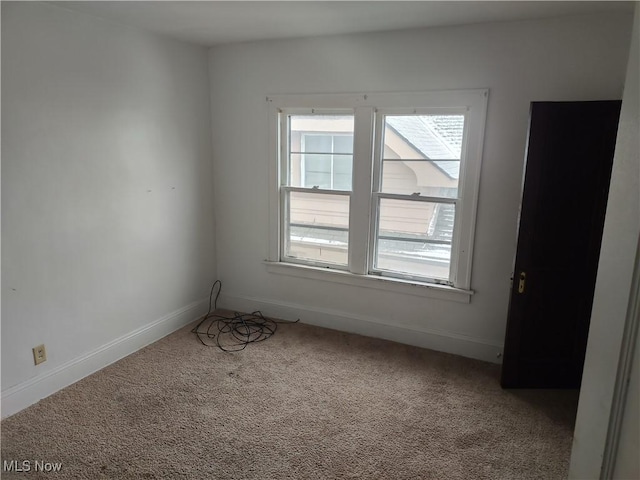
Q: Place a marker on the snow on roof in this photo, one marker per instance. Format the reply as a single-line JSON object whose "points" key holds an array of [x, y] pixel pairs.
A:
{"points": [[436, 137]]}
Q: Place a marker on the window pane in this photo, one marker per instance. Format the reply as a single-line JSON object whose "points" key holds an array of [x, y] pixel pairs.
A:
{"points": [[342, 166], [427, 178], [318, 227], [321, 148], [317, 171], [437, 137], [422, 154], [317, 143], [415, 237], [343, 143]]}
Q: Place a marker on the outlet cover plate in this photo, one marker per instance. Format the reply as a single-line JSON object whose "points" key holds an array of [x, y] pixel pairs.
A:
{"points": [[39, 354]]}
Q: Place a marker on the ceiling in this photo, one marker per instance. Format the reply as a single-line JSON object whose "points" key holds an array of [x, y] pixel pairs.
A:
{"points": [[212, 23]]}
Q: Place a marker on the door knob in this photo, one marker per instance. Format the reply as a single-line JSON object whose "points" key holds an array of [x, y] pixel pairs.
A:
{"points": [[521, 282]]}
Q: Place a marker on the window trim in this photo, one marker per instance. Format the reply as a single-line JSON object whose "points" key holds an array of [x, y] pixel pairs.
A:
{"points": [[365, 107], [388, 284]]}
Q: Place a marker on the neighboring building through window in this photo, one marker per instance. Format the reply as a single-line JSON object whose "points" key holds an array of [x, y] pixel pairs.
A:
{"points": [[382, 190], [329, 166]]}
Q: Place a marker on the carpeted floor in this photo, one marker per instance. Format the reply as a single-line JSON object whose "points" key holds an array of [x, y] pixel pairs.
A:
{"points": [[308, 403]]}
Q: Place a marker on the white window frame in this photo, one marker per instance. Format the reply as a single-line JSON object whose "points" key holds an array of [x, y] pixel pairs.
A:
{"points": [[368, 111]]}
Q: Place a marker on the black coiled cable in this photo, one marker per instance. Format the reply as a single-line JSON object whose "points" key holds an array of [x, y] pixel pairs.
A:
{"points": [[233, 333]]}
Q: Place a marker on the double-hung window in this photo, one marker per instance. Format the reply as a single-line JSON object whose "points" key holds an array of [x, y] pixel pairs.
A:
{"points": [[378, 185], [317, 182], [416, 193]]}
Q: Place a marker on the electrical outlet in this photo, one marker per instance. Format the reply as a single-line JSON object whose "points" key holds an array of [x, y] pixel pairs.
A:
{"points": [[39, 354]]}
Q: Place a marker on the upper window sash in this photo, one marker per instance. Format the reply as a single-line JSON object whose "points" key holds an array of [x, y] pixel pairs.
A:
{"points": [[382, 113], [284, 134]]}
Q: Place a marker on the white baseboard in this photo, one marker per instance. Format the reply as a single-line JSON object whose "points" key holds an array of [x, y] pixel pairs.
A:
{"points": [[432, 339], [33, 390]]}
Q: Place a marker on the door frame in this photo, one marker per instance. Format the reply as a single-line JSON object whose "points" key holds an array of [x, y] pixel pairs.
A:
{"points": [[621, 388]]}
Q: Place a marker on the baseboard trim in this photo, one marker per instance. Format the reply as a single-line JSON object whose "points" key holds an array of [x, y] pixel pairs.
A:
{"points": [[35, 389], [432, 339]]}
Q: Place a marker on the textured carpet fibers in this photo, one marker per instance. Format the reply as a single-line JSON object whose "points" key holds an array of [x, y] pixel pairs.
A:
{"points": [[308, 403]]}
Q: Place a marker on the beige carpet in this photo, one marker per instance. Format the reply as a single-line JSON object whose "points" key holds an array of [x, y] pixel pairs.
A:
{"points": [[308, 403]]}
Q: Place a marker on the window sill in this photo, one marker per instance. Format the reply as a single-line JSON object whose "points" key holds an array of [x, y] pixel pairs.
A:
{"points": [[441, 292]]}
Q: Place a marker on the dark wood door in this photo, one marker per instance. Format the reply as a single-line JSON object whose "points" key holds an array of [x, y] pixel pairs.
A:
{"points": [[568, 167]]}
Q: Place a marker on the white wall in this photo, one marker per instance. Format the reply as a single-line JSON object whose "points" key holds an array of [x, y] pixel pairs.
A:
{"points": [[107, 221], [613, 286], [575, 58]]}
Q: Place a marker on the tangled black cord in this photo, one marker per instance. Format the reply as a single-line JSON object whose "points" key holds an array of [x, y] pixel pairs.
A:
{"points": [[236, 332]]}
